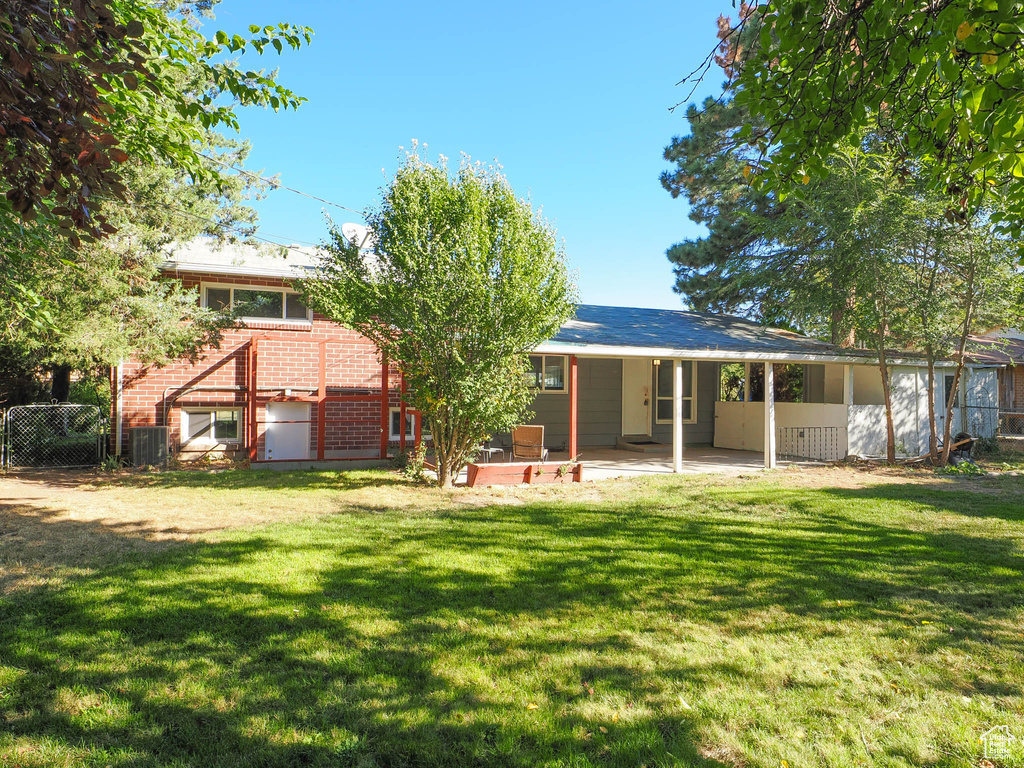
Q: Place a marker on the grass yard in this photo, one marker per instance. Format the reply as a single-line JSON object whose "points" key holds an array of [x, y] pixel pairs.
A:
{"points": [[830, 618]]}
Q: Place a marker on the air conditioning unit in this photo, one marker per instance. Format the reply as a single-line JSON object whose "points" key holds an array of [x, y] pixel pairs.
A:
{"points": [[147, 446]]}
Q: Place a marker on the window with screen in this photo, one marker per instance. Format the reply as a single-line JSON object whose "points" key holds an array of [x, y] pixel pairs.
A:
{"points": [[547, 373], [210, 425], [260, 303]]}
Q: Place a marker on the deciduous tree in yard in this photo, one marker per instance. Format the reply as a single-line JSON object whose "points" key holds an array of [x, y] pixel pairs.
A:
{"points": [[463, 279], [110, 151], [941, 80]]}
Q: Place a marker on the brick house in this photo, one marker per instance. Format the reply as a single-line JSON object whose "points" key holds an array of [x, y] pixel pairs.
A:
{"points": [[286, 384]]}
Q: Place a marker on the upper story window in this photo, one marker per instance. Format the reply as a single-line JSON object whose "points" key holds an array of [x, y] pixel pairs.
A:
{"points": [[547, 373], [256, 303]]}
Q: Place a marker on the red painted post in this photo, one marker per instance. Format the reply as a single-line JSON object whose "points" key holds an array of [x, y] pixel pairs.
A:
{"points": [[401, 415], [573, 409], [384, 386], [321, 408], [253, 403], [418, 426]]}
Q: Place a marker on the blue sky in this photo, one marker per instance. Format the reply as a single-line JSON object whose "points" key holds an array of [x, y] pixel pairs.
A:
{"points": [[572, 99]]}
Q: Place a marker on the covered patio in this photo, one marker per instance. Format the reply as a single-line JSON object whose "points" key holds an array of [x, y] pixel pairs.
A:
{"points": [[654, 381]]}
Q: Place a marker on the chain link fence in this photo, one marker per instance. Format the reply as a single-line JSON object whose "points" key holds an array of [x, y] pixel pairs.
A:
{"points": [[59, 435], [1011, 423]]}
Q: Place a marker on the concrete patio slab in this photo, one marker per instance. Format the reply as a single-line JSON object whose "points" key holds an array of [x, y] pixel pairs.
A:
{"points": [[606, 463]]}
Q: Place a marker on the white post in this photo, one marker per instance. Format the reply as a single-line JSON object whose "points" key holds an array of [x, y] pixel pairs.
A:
{"points": [[677, 416], [847, 402], [769, 416]]}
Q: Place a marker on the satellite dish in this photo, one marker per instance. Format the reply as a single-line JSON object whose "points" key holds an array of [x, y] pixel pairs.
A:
{"points": [[357, 234]]}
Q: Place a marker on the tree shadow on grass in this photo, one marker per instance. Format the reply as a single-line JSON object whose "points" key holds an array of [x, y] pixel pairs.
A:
{"points": [[263, 479], [387, 642], [229, 479]]}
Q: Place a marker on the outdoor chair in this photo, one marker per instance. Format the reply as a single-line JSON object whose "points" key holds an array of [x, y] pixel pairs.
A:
{"points": [[528, 444]]}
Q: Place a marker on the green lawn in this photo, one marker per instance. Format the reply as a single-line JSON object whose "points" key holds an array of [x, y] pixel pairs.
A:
{"points": [[705, 622]]}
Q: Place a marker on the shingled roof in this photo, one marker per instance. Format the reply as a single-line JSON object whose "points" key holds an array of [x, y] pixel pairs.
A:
{"points": [[679, 333]]}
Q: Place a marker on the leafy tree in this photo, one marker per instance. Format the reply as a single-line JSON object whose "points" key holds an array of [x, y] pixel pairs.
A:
{"points": [[89, 307], [862, 249], [464, 279], [943, 82], [86, 85], [81, 303]]}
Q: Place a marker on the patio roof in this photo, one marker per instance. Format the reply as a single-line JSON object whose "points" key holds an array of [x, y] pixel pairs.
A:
{"points": [[633, 331]]}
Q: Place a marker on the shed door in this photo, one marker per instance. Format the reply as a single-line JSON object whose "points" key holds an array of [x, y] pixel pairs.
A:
{"points": [[636, 396], [287, 431]]}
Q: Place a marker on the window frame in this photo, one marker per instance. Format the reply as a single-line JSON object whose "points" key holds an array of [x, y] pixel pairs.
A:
{"points": [[692, 397], [393, 436], [204, 287], [946, 383], [412, 416], [212, 439], [543, 388]]}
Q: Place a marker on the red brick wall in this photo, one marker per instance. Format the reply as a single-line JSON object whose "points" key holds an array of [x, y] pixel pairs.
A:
{"points": [[288, 358]]}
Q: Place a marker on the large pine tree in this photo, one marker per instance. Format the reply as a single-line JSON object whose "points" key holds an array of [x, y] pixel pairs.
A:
{"points": [[780, 262]]}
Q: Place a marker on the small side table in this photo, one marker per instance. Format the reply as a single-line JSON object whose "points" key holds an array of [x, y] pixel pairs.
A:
{"points": [[488, 453]]}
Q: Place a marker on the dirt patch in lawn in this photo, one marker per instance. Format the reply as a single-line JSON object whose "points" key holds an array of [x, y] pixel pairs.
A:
{"points": [[60, 522]]}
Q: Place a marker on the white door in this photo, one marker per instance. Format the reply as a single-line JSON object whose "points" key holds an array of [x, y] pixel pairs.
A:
{"points": [[636, 396], [287, 431]]}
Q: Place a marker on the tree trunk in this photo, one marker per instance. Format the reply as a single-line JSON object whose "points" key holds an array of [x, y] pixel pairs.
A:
{"points": [[969, 300], [883, 367], [60, 389], [890, 429], [933, 435]]}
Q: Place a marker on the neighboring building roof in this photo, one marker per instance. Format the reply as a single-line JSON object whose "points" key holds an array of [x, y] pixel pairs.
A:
{"points": [[207, 256], [996, 350], [676, 333]]}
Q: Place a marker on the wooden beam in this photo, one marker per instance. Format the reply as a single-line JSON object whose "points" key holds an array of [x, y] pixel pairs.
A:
{"points": [[401, 413], [573, 409], [770, 461], [253, 403], [321, 406], [384, 387]]}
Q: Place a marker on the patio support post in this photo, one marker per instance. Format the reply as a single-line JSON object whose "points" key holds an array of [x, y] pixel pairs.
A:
{"points": [[573, 409], [847, 385], [321, 404], [251, 396], [769, 416], [385, 384], [402, 412], [677, 416]]}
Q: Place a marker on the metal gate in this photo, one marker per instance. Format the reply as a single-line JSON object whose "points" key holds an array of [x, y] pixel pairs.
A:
{"points": [[982, 411], [59, 435]]}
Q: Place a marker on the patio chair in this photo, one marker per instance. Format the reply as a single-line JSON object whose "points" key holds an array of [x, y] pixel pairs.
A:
{"points": [[528, 444]]}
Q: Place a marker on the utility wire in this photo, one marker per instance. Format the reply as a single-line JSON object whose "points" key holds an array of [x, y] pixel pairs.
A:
{"points": [[240, 231], [279, 185]]}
